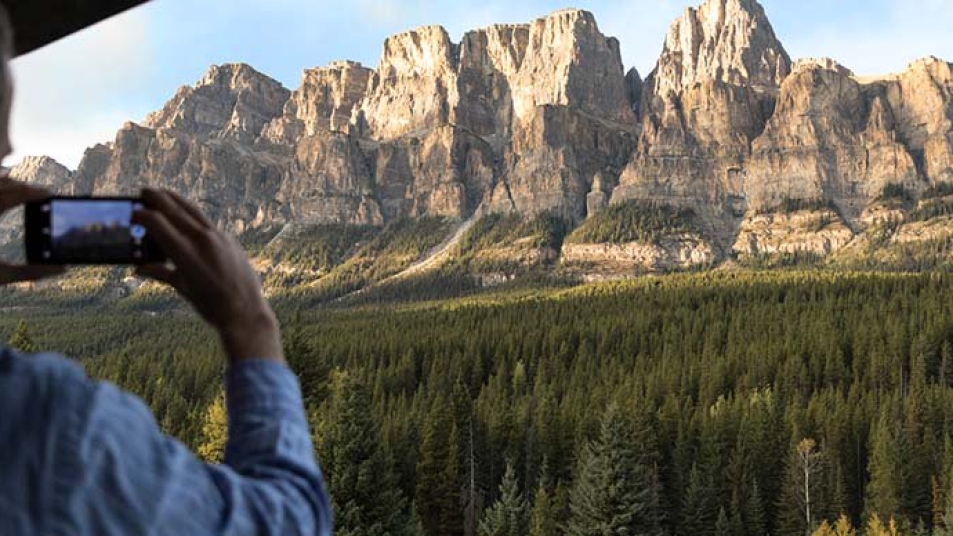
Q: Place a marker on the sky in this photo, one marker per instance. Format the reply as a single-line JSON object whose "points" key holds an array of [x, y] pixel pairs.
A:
{"points": [[68, 215], [79, 91]]}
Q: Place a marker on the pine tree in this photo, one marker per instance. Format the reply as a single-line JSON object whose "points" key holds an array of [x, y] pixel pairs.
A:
{"points": [[471, 457], [843, 527], [615, 491], [876, 527], [214, 431], [736, 521], [561, 501], [21, 339], [722, 526], [824, 529], [313, 374], [508, 516], [452, 516], [437, 491], [696, 518], [885, 465], [359, 474], [801, 490], [543, 521], [754, 515], [837, 500]]}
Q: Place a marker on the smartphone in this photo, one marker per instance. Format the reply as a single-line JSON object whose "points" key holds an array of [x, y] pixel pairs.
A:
{"points": [[87, 230]]}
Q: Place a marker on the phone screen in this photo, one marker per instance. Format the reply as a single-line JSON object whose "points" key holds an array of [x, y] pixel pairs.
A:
{"points": [[65, 230]]}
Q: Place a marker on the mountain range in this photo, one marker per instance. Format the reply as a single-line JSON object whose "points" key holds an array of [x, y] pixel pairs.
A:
{"points": [[727, 152]]}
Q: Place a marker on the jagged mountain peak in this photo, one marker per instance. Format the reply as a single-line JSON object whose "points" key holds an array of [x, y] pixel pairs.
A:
{"points": [[31, 165], [231, 100], [937, 68], [424, 49], [43, 171], [232, 74], [730, 41], [570, 16], [540, 117]]}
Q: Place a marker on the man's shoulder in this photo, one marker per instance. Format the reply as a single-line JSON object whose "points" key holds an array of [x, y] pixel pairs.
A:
{"points": [[27, 373]]}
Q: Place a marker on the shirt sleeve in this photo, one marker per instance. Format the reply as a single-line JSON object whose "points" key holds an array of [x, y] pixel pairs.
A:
{"points": [[119, 474]]}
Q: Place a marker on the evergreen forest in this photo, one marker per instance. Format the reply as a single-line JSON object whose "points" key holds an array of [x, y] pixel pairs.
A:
{"points": [[725, 402]]}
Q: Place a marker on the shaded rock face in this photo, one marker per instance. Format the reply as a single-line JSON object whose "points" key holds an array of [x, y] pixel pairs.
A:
{"points": [[921, 102], [489, 62], [541, 117]]}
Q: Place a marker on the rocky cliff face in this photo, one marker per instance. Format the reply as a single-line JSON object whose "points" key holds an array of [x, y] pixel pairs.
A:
{"points": [[42, 171], [830, 138], [709, 96], [46, 172], [541, 117], [513, 118], [325, 102]]}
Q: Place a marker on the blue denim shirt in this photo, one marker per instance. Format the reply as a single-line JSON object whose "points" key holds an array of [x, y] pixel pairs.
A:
{"points": [[79, 456]]}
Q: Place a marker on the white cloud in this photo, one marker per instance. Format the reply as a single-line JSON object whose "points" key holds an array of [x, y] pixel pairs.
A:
{"points": [[76, 92]]}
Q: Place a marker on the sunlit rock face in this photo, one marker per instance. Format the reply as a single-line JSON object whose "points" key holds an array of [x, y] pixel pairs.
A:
{"points": [[830, 138], [543, 117], [709, 97]]}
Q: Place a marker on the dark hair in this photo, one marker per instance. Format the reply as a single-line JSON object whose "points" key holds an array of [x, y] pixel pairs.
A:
{"points": [[6, 33]]}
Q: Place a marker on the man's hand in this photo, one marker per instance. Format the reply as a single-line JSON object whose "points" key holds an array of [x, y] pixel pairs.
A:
{"points": [[210, 270], [13, 194]]}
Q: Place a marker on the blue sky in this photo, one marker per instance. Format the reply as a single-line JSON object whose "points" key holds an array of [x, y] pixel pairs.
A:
{"points": [[73, 214], [79, 91]]}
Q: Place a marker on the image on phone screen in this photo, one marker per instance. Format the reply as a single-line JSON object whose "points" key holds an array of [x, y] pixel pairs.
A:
{"points": [[87, 231]]}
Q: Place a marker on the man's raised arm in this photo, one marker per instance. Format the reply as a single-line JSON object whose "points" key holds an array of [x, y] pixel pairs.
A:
{"points": [[272, 476]]}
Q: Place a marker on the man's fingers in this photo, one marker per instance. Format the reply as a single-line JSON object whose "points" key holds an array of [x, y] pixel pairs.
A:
{"points": [[169, 238], [161, 201], [192, 209], [14, 193], [15, 273]]}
